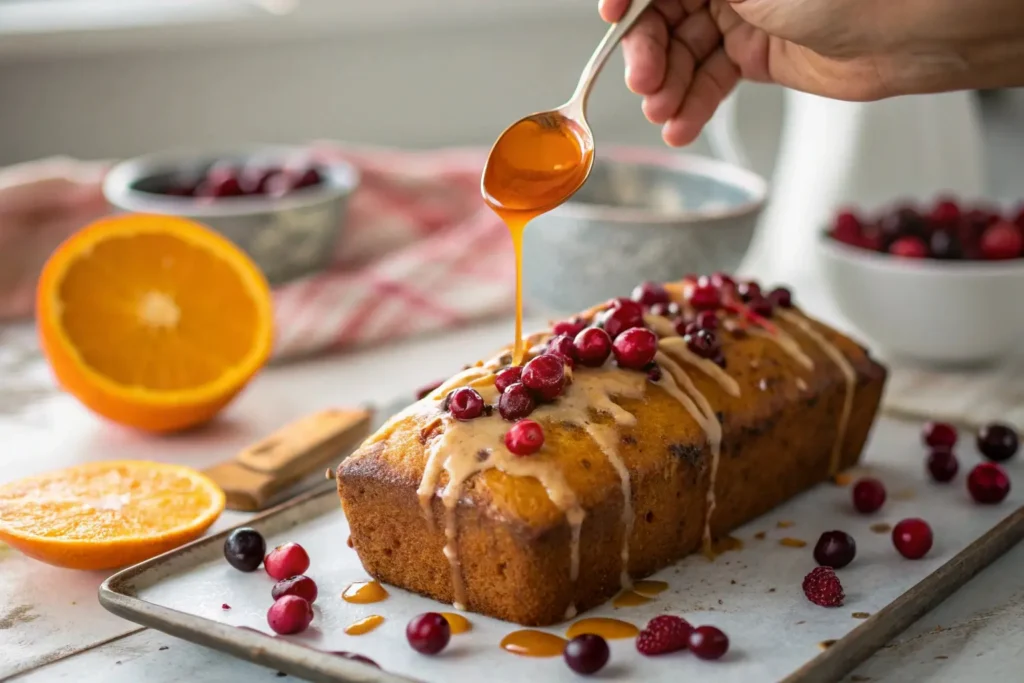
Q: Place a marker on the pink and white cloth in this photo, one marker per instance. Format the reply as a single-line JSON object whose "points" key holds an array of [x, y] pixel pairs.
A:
{"points": [[421, 252]]}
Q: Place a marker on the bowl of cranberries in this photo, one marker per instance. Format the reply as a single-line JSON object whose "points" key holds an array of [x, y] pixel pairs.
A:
{"points": [[286, 211], [941, 284]]}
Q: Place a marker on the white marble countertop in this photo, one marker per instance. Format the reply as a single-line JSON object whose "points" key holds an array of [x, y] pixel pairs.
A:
{"points": [[53, 629]]}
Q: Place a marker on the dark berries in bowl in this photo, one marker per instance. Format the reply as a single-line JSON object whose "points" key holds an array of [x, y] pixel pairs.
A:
{"points": [[231, 179], [244, 549]]}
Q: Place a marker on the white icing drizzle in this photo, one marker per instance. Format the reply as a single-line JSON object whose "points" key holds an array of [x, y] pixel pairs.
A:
{"points": [[786, 342], [676, 346], [849, 376]]}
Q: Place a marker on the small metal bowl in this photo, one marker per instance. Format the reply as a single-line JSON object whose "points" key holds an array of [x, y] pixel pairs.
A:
{"points": [[642, 215], [288, 237]]}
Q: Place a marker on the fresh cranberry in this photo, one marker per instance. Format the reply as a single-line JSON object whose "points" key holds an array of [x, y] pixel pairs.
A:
{"points": [[939, 435], [244, 549], [781, 297], [654, 372], [466, 403], [705, 296], [562, 346], [998, 442], [635, 348], [308, 178], [761, 306], [1002, 240], [524, 438], [903, 222], [545, 376], [428, 633], [942, 465], [302, 586], [506, 377], [988, 483], [623, 315], [723, 281], [835, 549], [912, 538], [286, 560], [254, 179], [571, 327], [706, 320], [749, 291], [516, 402], [669, 310], [290, 614], [704, 343], [847, 228], [909, 247], [593, 346], [685, 326], [945, 212], [586, 654], [224, 187], [650, 293], [868, 495], [708, 642]]}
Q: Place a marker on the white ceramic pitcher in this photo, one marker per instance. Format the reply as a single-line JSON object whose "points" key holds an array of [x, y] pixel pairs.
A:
{"points": [[836, 153]]}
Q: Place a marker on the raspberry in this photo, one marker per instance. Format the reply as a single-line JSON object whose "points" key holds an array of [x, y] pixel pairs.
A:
{"points": [[664, 634], [822, 587]]}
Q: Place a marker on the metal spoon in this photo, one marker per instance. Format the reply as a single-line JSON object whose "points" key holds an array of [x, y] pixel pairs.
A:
{"points": [[547, 183]]}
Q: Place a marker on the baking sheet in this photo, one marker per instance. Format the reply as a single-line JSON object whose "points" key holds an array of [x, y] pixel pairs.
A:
{"points": [[753, 594]]}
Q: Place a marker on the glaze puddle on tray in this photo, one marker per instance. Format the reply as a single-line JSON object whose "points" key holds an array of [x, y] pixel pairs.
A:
{"points": [[610, 629], [532, 643], [457, 623], [364, 593], [365, 625]]}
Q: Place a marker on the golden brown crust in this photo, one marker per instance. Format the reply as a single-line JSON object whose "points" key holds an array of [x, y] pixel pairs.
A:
{"points": [[778, 436]]}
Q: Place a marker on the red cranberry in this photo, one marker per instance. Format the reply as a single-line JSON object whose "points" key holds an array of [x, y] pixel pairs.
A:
{"points": [[704, 343], [761, 306], [988, 483], [286, 560], [942, 465], [545, 376], [254, 179], [939, 435], [428, 633], [685, 327], [290, 614], [635, 348], [571, 327], [669, 310], [516, 402], [912, 538], [781, 297], [868, 495], [847, 228], [654, 373], [909, 247], [706, 320], [622, 316], [650, 293], [835, 549], [705, 296], [593, 346], [281, 184], [506, 377], [946, 212], [1002, 240], [224, 187], [244, 549], [562, 346], [708, 642], [749, 291], [308, 178], [997, 442], [902, 222], [586, 654], [524, 438], [723, 281], [302, 586], [466, 404]]}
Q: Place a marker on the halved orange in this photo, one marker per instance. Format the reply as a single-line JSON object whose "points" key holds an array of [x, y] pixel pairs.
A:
{"points": [[105, 515], [155, 322]]}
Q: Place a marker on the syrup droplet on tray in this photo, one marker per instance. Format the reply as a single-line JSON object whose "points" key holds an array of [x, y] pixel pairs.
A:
{"points": [[532, 643], [457, 623], [725, 545], [364, 593], [650, 587], [630, 599], [609, 629], [365, 625]]}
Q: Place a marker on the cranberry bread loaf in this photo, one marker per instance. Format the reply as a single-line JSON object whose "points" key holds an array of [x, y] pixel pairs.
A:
{"points": [[716, 404]]}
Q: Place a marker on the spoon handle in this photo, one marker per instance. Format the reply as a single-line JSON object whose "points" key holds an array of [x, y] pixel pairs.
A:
{"points": [[597, 60]]}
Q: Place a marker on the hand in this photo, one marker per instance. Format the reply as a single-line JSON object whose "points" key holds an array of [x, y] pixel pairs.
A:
{"points": [[685, 56], [41, 204]]}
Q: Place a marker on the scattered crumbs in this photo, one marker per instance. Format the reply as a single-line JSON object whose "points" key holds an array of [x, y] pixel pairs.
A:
{"points": [[792, 542], [117, 662], [904, 494], [760, 535], [843, 479], [771, 590], [861, 615], [800, 622], [349, 543], [826, 644], [720, 601], [225, 606], [881, 528], [281, 674], [941, 657], [164, 647], [329, 474], [732, 581], [785, 524], [938, 629]]}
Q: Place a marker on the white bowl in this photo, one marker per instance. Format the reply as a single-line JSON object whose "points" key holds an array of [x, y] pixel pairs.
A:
{"points": [[952, 313]]}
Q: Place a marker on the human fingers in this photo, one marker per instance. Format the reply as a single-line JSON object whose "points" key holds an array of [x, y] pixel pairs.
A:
{"points": [[692, 41], [645, 50], [612, 10], [712, 82]]}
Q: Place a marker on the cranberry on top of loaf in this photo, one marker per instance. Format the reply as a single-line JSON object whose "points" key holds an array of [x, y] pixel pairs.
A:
{"points": [[637, 430]]}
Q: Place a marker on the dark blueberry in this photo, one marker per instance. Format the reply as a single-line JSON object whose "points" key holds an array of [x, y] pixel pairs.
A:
{"points": [[244, 549]]}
